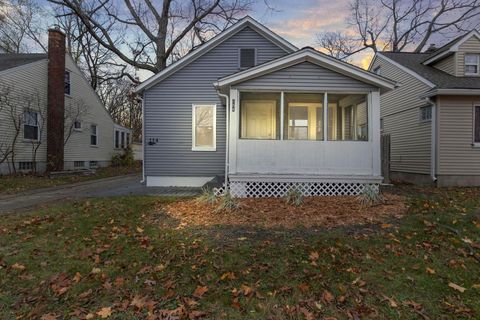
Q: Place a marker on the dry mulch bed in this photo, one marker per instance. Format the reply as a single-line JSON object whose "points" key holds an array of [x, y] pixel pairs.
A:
{"points": [[325, 212]]}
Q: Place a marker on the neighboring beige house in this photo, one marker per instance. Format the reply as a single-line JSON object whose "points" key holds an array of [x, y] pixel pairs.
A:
{"points": [[433, 116], [47, 93]]}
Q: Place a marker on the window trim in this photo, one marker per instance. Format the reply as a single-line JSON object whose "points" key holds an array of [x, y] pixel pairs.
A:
{"points": [[37, 126], [465, 64], [214, 148], [240, 57], [96, 135], [69, 83], [420, 114]]}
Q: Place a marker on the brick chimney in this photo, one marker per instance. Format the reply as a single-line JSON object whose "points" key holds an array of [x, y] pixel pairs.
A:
{"points": [[56, 99]]}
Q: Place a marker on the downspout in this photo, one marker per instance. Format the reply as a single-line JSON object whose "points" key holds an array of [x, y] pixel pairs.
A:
{"points": [[227, 135], [143, 139], [433, 147]]}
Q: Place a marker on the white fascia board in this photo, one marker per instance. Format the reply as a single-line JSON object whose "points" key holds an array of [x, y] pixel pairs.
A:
{"points": [[407, 70], [453, 92], [312, 56], [454, 48], [212, 43]]}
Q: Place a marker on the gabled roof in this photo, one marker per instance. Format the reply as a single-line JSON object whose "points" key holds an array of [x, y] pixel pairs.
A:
{"points": [[449, 48], [12, 60], [212, 43], [437, 78], [310, 55]]}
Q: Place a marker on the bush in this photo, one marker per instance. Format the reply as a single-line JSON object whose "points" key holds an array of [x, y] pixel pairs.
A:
{"points": [[370, 196], [294, 197], [207, 196], [227, 202], [124, 159]]}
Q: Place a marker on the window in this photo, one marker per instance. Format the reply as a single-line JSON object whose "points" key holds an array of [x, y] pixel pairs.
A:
{"points": [[247, 58], [204, 127], [117, 139], [381, 124], [476, 131], [377, 70], [472, 64], [260, 115], [123, 140], [77, 125], [425, 114], [30, 125], [25, 166], [347, 117], [79, 164], [128, 139], [303, 116], [67, 83], [93, 164], [93, 135]]}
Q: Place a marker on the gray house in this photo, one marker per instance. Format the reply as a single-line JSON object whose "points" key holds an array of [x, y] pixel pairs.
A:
{"points": [[251, 107], [433, 116]]}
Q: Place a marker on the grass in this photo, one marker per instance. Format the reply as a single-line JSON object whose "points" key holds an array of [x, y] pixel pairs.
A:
{"points": [[11, 184], [122, 257]]}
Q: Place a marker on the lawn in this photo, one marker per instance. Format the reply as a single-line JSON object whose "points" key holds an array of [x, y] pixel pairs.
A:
{"points": [[11, 184], [124, 258]]}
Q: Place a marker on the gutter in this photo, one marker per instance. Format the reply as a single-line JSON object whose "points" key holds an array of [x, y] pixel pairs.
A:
{"points": [[143, 138], [433, 147], [227, 135]]}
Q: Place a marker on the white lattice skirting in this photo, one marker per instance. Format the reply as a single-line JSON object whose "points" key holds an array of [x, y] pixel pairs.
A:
{"points": [[258, 189]]}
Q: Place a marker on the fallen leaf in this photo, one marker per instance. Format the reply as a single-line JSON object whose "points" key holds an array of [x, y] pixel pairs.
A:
{"points": [[456, 287], [314, 255], [303, 287], [18, 266], [139, 230], [228, 275], [77, 277], [200, 291], [247, 291], [431, 271], [96, 270], [105, 312], [48, 316], [327, 296], [386, 225]]}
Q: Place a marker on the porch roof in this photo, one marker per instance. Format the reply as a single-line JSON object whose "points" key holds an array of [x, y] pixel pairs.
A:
{"points": [[309, 55]]}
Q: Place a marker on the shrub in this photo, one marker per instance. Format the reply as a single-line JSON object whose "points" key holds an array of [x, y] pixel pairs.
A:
{"points": [[124, 159], [207, 196], [294, 197], [227, 202], [370, 196]]}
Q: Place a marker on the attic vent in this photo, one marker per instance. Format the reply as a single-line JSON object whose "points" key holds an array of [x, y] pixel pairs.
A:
{"points": [[247, 58]]}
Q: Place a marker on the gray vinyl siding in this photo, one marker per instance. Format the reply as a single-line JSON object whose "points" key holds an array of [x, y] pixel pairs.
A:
{"points": [[304, 76], [168, 108], [456, 155], [472, 45], [446, 65], [400, 110]]}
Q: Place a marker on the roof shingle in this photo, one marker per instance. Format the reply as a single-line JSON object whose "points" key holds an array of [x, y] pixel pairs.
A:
{"points": [[12, 60]]}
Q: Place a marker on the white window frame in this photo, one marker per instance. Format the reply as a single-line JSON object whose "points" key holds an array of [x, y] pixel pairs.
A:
{"points": [[214, 147], [477, 55], [420, 114], [96, 135], [37, 126], [81, 125]]}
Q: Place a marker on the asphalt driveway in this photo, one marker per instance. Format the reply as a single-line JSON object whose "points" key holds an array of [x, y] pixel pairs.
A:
{"points": [[109, 187]]}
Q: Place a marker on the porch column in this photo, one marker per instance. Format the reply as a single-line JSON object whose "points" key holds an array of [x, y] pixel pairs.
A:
{"points": [[374, 130], [234, 130]]}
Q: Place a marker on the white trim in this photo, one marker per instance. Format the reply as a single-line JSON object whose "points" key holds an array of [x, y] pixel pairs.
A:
{"points": [[309, 55], [407, 70], [218, 39], [458, 92], [96, 135], [214, 147], [454, 48], [304, 178], [160, 181]]}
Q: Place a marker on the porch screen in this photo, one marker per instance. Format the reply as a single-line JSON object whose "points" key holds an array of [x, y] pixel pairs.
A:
{"points": [[347, 117], [303, 116], [259, 115]]}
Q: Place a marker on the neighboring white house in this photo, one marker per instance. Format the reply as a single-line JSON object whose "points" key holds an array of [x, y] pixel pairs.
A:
{"points": [[251, 107], [48, 92]]}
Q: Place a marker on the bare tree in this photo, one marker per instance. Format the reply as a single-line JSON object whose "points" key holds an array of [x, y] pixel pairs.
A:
{"points": [[146, 37], [21, 26], [400, 25], [75, 111]]}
